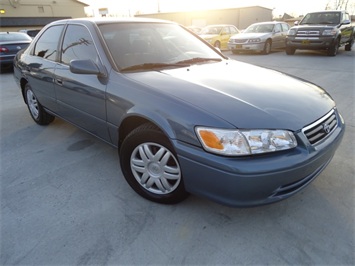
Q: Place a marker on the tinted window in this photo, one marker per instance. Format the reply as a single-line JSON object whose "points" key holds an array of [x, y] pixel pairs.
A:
{"points": [[47, 44], [77, 44]]}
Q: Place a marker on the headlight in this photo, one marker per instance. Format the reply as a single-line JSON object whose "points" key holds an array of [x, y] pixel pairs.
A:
{"points": [[330, 32], [255, 40], [245, 142], [291, 32]]}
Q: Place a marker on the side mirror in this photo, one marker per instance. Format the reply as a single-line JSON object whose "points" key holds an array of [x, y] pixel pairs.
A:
{"points": [[87, 67], [84, 67], [346, 22]]}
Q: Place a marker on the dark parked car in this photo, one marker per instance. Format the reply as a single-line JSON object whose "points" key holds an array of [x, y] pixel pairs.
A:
{"points": [[32, 32], [10, 44], [185, 118]]}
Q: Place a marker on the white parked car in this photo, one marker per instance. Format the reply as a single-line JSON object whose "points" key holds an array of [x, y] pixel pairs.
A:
{"points": [[260, 37]]}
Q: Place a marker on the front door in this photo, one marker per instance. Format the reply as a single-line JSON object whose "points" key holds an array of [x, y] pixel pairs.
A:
{"points": [[81, 97]]}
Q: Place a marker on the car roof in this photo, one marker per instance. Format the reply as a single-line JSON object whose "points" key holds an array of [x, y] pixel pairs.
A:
{"points": [[219, 25], [100, 20], [12, 34], [268, 22]]}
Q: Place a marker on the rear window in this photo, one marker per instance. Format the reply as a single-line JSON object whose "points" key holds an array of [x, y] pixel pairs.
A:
{"points": [[7, 37]]}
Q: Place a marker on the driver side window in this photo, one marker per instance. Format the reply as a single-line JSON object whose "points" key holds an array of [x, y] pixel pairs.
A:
{"points": [[77, 44]]}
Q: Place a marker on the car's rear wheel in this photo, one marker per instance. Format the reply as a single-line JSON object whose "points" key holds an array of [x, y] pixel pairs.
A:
{"points": [[37, 112], [267, 47], [349, 45], [150, 165], [290, 51]]}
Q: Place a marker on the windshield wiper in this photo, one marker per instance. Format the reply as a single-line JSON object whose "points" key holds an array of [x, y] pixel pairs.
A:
{"points": [[149, 66], [198, 60]]}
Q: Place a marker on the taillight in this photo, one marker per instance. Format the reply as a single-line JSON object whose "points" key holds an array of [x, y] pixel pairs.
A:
{"points": [[3, 49]]}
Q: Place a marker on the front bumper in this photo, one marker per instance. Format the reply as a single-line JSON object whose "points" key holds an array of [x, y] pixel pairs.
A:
{"points": [[310, 43], [255, 180]]}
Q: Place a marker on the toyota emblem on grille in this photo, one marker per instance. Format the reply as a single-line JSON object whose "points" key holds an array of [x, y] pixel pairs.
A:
{"points": [[326, 128], [18, 47]]}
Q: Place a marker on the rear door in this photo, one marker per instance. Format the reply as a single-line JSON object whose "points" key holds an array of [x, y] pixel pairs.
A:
{"points": [[40, 72], [81, 97]]}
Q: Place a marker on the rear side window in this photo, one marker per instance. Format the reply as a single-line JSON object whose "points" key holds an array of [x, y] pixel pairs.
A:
{"points": [[77, 44], [47, 44]]}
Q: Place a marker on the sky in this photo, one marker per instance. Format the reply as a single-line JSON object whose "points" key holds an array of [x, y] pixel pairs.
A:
{"points": [[131, 7]]}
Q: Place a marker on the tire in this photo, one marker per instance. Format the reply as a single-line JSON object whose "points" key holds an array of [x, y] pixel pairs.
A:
{"points": [[150, 166], [349, 45], [217, 44], [267, 47], [38, 114], [290, 51], [334, 49]]}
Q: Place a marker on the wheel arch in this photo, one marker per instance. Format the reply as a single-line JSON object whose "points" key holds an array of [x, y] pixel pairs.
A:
{"points": [[132, 121], [23, 83]]}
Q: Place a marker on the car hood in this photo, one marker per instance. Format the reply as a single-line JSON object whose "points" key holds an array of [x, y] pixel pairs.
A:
{"points": [[310, 26], [250, 35], [244, 95]]}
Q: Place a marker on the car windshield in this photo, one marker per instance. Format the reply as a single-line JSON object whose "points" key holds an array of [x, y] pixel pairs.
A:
{"points": [[211, 30], [140, 46], [260, 28], [321, 18], [8, 37]]}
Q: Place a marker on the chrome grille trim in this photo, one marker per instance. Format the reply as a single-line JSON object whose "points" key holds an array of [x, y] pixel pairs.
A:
{"points": [[308, 33], [322, 128]]}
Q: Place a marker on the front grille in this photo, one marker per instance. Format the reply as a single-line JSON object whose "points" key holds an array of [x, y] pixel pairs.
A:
{"points": [[309, 33], [239, 40], [322, 128]]}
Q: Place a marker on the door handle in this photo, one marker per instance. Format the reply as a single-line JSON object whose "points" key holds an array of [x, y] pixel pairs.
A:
{"points": [[59, 82]]}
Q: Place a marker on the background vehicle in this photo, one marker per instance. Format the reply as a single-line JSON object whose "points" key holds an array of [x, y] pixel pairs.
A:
{"points": [[260, 37], [194, 29], [10, 44], [184, 117], [324, 30], [30, 32], [218, 35]]}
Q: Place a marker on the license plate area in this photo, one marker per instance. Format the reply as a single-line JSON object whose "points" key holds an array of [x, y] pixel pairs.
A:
{"points": [[305, 42]]}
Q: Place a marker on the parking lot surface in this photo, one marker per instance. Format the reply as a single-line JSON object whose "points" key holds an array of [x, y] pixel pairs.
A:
{"points": [[64, 200]]}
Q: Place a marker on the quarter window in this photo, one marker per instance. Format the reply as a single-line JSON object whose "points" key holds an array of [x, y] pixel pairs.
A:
{"points": [[77, 44], [47, 44]]}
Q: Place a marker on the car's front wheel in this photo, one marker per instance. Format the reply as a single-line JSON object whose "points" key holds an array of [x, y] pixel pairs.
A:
{"points": [[290, 51], [150, 165], [38, 114], [217, 44], [333, 51], [267, 47]]}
